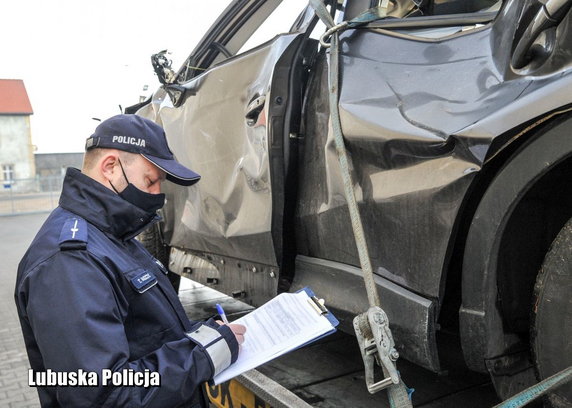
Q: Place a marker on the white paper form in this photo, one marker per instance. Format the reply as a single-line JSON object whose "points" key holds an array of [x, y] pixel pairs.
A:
{"points": [[283, 324]]}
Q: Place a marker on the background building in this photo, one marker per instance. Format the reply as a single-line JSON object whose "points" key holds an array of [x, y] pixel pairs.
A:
{"points": [[16, 149], [51, 168], [55, 164]]}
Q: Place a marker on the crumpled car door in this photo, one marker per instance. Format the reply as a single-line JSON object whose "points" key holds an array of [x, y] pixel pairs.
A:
{"points": [[225, 119]]}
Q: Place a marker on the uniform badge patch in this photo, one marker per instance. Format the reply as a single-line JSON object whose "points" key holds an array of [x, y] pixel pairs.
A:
{"points": [[73, 234], [143, 281]]}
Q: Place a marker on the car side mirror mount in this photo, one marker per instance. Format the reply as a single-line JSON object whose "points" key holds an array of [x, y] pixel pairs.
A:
{"points": [[179, 93]]}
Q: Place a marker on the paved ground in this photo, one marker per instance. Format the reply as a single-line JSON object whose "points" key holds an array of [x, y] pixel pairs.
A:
{"points": [[16, 234]]}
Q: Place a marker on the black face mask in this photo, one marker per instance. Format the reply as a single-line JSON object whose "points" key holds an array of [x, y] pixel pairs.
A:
{"points": [[149, 203]]}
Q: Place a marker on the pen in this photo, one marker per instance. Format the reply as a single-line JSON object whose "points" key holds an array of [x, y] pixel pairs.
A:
{"points": [[222, 314]]}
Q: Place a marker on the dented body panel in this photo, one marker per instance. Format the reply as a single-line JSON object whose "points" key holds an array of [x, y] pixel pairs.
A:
{"points": [[230, 212], [418, 118], [428, 116]]}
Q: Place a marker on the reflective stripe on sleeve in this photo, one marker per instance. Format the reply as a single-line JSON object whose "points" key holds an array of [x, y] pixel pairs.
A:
{"points": [[215, 345], [204, 335], [219, 353]]}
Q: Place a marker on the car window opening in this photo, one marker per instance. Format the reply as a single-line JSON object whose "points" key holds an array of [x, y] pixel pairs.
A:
{"points": [[426, 18]]}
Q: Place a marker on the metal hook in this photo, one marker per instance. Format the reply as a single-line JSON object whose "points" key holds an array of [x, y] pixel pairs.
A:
{"points": [[339, 27]]}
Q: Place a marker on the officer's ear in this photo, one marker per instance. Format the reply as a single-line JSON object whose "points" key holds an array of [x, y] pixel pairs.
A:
{"points": [[108, 165]]}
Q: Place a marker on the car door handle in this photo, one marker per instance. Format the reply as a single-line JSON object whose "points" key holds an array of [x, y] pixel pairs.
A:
{"points": [[253, 110]]}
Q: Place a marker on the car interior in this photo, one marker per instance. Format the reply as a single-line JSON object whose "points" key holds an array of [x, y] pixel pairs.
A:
{"points": [[422, 8]]}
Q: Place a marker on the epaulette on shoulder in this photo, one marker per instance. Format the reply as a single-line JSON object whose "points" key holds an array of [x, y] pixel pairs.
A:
{"points": [[74, 234]]}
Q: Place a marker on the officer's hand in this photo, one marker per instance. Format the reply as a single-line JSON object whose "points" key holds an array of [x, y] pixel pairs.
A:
{"points": [[237, 329]]}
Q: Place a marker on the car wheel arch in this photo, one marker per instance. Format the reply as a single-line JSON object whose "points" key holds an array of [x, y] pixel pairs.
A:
{"points": [[530, 167]]}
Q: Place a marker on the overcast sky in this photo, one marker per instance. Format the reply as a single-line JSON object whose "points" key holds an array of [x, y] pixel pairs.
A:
{"points": [[80, 59]]}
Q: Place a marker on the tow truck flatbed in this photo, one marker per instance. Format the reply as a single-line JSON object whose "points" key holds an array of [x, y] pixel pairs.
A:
{"points": [[329, 373]]}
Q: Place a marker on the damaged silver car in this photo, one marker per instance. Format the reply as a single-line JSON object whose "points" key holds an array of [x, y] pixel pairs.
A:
{"points": [[456, 117]]}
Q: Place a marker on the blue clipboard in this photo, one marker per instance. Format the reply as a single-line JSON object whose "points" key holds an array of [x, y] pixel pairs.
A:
{"points": [[285, 346], [321, 309]]}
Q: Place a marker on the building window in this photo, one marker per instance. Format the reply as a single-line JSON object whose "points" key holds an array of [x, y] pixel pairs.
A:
{"points": [[8, 173]]}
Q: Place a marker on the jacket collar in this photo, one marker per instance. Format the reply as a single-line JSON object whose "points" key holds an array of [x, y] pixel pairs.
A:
{"points": [[101, 207]]}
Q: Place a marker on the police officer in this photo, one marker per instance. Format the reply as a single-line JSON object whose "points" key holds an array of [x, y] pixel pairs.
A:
{"points": [[91, 299]]}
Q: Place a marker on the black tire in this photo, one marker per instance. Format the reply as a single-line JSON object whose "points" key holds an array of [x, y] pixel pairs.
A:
{"points": [[151, 240], [551, 323]]}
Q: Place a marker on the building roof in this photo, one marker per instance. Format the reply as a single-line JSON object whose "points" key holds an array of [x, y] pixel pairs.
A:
{"points": [[14, 98]]}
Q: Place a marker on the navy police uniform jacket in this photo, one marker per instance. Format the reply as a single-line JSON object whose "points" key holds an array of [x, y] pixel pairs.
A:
{"points": [[91, 298]]}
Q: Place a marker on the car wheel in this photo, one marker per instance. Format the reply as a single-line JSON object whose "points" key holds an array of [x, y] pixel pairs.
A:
{"points": [[151, 240], [551, 323]]}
